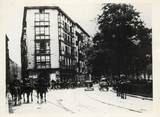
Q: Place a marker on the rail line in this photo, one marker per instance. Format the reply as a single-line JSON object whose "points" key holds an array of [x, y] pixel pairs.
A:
{"points": [[114, 105]]}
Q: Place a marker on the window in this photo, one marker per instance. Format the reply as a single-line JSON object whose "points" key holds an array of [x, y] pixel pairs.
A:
{"points": [[43, 65], [38, 65], [42, 16], [59, 24], [46, 31], [37, 17], [68, 39], [65, 26], [69, 50], [43, 62], [41, 23], [37, 30], [38, 58], [41, 19], [42, 31], [47, 45], [71, 29], [47, 65], [66, 49], [60, 58], [37, 23], [68, 29], [59, 31], [46, 37], [42, 58], [37, 46], [42, 37], [42, 47], [37, 37], [47, 58], [47, 17], [65, 37], [46, 23]]}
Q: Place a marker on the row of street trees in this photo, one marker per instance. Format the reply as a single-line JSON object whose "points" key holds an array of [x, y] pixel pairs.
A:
{"points": [[123, 44]]}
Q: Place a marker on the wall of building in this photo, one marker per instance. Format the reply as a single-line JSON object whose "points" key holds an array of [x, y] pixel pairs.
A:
{"points": [[67, 42], [54, 43], [30, 38], [62, 37], [13, 71], [82, 40]]}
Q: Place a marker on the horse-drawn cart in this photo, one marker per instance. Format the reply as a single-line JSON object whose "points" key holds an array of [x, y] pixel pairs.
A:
{"points": [[103, 84], [89, 86]]}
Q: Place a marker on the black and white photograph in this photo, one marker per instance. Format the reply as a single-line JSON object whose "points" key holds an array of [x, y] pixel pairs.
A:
{"points": [[78, 57]]}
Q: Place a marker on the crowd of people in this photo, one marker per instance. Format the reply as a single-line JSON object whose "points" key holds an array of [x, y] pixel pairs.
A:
{"points": [[63, 84], [121, 88], [22, 89]]}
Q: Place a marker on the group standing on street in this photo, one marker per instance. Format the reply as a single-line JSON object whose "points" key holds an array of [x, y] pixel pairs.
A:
{"points": [[121, 89], [23, 89]]}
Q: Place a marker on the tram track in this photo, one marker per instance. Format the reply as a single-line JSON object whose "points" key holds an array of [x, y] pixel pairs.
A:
{"points": [[109, 104]]}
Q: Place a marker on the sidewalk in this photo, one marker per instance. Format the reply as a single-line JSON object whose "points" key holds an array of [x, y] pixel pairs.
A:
{"points": [[136, 96]]}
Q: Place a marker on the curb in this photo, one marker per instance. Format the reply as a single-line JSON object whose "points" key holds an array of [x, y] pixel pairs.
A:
{"points": [[136, 96], [140, 97]]}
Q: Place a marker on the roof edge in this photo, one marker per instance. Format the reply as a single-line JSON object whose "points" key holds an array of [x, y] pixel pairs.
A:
{"points": [[59, 9]]}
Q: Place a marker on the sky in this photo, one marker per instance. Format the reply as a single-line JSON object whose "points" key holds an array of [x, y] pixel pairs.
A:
{"points": [[84, 13]]}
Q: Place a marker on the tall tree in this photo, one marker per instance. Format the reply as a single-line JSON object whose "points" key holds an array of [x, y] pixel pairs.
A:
{"points": [[122, 35]]}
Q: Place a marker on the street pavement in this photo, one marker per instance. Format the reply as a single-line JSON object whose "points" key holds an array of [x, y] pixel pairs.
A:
{"points": [[70, 101]]}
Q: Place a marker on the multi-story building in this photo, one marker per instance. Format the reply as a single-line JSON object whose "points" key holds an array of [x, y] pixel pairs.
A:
{"points": [[82, 42], [12, 69], [52, 43], [13, 72]]}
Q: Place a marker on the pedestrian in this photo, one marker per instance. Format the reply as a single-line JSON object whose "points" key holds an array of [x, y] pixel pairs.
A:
{"points": [[52, 84], [124, 90], [118, 88]]}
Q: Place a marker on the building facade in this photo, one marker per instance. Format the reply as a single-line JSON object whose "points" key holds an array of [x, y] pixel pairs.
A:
{"points": [[13, 70], [51, 43]]}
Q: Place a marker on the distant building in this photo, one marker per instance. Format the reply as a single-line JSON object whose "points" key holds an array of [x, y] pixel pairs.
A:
{"points": [[52, 43], [12, 69], [7, 62]]}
